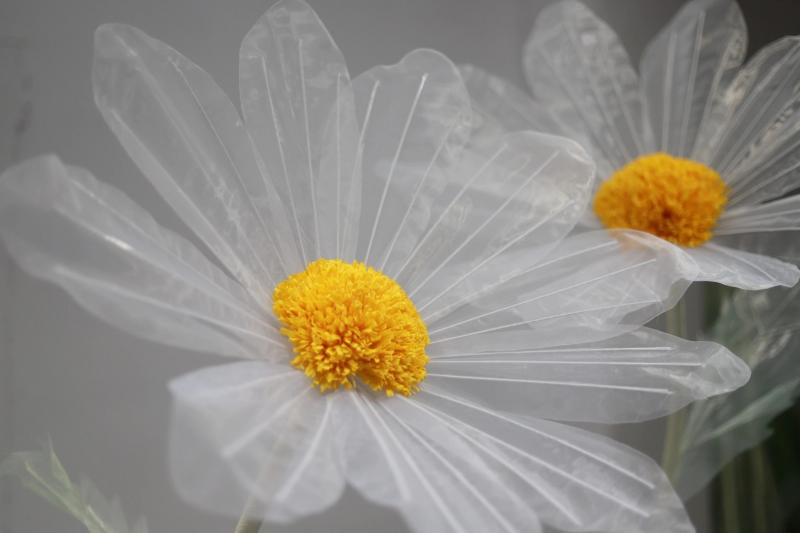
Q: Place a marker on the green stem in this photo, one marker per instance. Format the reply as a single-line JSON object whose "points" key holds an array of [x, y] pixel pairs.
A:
{"points": [[676, 422], [730, 506], [759, 481]]}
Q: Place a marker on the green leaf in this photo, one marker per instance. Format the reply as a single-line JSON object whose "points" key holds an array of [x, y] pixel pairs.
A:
{"points": [[42, 473]]}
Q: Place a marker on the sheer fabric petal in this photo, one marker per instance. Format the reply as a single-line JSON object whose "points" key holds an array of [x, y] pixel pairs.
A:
{"points": [[577, 67], [455, 490], [589, 281], [780, 215], [187, 138], [755, 149], [686, 69], [744, 270], [414, 118], [514, 201], [629, 377], [298, 104], [499, 107], [571, 479], [63, 225], [254, 436]]}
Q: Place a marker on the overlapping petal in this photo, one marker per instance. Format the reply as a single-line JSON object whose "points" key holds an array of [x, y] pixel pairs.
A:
{"points": [[573, 480], [414, 118], [499, 107], [513, 199], [630, 376], [189, 141], [256, 437], [759, 128], [298, 103], [63, 225], [685, 71], [744, 270], [589, 280], [393, 169], [576, 65]]}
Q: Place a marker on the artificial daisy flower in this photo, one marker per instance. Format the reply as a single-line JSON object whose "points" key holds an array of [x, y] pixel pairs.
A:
{"points": [[693, 148], [409, 310]]}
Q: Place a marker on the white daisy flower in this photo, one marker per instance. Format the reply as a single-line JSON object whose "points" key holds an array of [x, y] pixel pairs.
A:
{"points": [[694, 148], [410, 314]]}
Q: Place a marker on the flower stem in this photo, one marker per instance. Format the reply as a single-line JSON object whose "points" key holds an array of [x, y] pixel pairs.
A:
{"points": [[759, 489], [730, 507]]}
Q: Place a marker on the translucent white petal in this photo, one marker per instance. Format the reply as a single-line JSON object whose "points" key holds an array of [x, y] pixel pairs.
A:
{"points": [[780, 215], [499, 107], [758, 132], [187, 138], [685, 69], [452, 490], [591, 280], [370, 454], [744, 270], [577, 67], [254, 436], [298, 104], [63, 225], [629, 377], [572, 479], [512, 203], [415, 121], [783, 245]]}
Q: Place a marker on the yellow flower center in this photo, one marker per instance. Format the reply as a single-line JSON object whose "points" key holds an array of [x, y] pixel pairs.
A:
{"points": [[348, 321], [676, 199]]}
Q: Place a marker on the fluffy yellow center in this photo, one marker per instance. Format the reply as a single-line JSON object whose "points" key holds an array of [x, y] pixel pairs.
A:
{"points": [[676, 199], [348, 321]]}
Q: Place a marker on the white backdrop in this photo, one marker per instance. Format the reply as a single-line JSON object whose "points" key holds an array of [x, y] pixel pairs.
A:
{"points": [[99, 393]]}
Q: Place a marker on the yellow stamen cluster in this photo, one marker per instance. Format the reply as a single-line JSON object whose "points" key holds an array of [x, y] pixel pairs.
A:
{"points": [[676, 199], [348, 320]]}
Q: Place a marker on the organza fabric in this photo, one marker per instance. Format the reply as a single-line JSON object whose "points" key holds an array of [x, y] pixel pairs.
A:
{"points": [[691, 97], [762, 326], [524, 321]]}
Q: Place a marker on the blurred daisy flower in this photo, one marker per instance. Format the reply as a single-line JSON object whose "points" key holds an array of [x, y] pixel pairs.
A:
{"points": [[694, 148], [411, 314]]}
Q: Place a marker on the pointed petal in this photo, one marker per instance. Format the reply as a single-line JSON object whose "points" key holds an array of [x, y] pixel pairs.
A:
{"points": [[629, 377], [187, 138], [577, 67], [511, 204], [572, 479], [744, 270], [414, 118], [254, 436], [757, 132], [63, 225], [591, 280], [685, 69], [298, 104]]}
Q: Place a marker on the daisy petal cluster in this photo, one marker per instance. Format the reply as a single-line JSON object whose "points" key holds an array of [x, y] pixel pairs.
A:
{"points": [[410, 311], [694, 147]]}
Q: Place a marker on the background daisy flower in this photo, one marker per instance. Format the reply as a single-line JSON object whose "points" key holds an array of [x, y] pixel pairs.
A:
{"points": [[458, 248], [694, 147]]}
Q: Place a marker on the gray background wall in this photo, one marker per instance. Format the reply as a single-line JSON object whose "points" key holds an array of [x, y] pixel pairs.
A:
{"points": [[99, 393]]}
